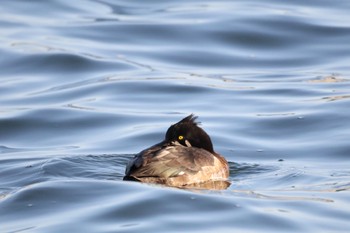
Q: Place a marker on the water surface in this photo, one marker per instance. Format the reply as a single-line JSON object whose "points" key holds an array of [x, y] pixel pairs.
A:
{"points": [[87, 84]]}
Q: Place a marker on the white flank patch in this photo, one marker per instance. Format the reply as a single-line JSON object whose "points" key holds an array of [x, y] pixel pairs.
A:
{"points": [[188, 143], [163, 153]]}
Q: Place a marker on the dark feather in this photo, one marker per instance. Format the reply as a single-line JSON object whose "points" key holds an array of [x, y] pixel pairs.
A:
{"points": [[190, 119]]}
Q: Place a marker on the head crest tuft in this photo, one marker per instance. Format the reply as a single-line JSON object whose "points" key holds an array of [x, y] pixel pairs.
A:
{"points": [[190, 119]]}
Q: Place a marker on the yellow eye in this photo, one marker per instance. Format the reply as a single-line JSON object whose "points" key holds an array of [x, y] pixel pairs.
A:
{"points": [[181, 137]]}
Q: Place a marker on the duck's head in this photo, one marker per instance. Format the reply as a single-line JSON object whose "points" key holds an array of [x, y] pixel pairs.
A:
{"points": [[188, 133]]}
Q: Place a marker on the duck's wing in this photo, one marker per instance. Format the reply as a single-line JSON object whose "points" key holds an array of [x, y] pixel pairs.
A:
{"points": [[142, 159], [170, 161]]}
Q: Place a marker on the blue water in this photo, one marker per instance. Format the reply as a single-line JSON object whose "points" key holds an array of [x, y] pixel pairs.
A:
{"points": [[87, 84]]}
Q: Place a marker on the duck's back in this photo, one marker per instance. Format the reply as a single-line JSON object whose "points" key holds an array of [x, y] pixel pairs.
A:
{"points": [[177, 166]]}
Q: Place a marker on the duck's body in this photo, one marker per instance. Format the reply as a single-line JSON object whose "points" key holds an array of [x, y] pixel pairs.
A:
{"points": [[185, 157]]}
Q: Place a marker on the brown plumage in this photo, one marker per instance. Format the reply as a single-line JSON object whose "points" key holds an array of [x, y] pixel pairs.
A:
{"points": [[185, 158]]}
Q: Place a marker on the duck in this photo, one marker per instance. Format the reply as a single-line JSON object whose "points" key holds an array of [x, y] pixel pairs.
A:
{"points": [[185, 157]]}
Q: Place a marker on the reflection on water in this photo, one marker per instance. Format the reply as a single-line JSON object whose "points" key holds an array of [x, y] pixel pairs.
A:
{"points": [[334, 98], [328, 79], [210, 185]]}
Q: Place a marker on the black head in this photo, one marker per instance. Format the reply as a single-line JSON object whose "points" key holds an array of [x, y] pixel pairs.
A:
{"points": [[187, 133]]}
